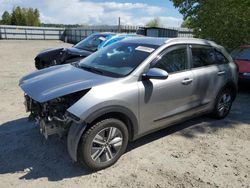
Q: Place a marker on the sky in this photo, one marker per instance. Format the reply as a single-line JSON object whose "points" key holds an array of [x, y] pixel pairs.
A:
{"points": [[100, 12]]}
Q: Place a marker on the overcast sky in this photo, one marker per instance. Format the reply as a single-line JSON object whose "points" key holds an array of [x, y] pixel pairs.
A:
{"points": [[97, 12]]}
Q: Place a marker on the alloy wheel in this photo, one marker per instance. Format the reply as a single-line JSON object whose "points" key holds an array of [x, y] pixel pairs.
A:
{"points": [[106, 144], [224, 104]]}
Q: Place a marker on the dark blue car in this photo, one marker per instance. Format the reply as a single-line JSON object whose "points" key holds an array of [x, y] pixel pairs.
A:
{"points": [[79, 51]]}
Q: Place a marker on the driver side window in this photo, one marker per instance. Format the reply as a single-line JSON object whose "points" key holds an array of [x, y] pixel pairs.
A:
{"points": [[174, 60]]}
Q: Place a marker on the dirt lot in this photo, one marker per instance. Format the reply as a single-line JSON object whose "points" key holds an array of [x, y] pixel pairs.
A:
{"points": [[199, 153]]}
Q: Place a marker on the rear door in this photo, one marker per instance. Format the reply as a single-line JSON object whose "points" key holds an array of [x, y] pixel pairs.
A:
{"points": [[210, 70]]}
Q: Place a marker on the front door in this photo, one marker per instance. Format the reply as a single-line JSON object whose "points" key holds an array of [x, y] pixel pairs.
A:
{"points": [[163, 101]]}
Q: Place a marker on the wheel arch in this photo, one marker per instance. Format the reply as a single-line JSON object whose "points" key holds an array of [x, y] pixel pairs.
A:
{"points": [[119, 112], [232, 86]]}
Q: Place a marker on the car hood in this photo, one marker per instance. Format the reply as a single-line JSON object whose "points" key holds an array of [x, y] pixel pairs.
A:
{"points": [[77, 51], [244, 65], [48, 51], [54, 52], [57, 81]]}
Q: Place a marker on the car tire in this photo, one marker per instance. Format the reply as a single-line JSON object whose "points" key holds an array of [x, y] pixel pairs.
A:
{"points": [[223, 104], [103, 144]]}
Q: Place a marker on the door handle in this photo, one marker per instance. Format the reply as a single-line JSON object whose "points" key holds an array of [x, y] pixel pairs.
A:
{"points": [[220, 73], [187, 81]]}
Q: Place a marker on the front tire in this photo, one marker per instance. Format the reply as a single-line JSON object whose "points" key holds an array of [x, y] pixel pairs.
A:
{"points": [[223, 104], [103, 144]]}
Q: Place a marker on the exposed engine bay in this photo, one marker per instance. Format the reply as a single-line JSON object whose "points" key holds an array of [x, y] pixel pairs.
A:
{"points": [[52, 116]]}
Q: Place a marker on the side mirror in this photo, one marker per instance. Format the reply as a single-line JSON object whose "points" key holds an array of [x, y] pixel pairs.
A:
{"points": [[155, 73]]}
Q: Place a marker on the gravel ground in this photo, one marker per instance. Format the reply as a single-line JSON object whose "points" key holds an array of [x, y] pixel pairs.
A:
{"points": [[199, 153]]}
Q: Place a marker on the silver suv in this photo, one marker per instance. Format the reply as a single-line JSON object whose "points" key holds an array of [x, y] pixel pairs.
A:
{"points": [[128, 90]]}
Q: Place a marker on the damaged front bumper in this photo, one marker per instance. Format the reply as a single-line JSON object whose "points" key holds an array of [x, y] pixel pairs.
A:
{"points": [[47, 122], [49, 128]]}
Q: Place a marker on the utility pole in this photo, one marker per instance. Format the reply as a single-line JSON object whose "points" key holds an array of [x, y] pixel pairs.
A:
{"points": [[119, 24]]}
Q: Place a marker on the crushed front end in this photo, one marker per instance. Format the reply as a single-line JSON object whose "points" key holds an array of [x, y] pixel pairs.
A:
{"points": [[49, 93], [52, 116]]}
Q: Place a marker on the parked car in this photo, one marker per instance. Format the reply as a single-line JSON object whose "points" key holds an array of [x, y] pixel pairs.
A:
{"points": [[127, 90], [241, 57], [79, 51]]}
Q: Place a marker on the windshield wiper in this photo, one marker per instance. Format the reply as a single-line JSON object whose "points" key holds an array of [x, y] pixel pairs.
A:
{"points": [[91, 69]]}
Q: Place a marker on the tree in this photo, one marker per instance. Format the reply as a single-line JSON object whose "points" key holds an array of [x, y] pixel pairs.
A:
{"points": [[21, 16], [6, 18], [37, 16], [186, 23], [32, 17], [18, 16], [227, 22], [154, 23]]}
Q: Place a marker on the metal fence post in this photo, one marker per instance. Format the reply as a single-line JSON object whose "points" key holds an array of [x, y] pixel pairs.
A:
{"points": [[25, 31], [44, 34], [5, 33]]}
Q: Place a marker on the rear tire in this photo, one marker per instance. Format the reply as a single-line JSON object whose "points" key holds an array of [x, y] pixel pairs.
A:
{"points": [[223, 104], [103, 144]]}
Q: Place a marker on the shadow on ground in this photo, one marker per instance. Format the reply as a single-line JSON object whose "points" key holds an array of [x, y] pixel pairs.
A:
{"points": [[22, 148], [205, 125]]}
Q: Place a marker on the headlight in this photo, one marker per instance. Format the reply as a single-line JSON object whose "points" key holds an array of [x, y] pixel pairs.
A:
{"points": [[246, 74]]}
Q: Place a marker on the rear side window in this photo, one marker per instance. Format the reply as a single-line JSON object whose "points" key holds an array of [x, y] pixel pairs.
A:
{"points": [[205, 56], [174, 60]]}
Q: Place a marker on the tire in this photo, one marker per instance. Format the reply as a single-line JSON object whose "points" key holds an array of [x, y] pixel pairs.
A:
{"points": [[103, 144], [223, 104]]}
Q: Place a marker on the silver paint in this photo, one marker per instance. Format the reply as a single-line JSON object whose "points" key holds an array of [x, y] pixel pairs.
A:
{"points": [[155, 103]]}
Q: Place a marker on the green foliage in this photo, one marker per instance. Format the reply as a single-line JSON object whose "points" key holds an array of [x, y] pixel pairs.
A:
{"points": [[6, 18], [32, 17], [227, 21], [154, 23], [18, 16], [186, 23], [21, 16]]}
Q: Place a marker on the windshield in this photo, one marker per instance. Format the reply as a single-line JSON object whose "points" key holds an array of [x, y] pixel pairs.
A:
{"points": [[117, 60], [111, 41], [241, 54], [91, 43]]}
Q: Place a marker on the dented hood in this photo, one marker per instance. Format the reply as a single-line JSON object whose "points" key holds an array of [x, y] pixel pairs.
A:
{"points": [[57, 81]]}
